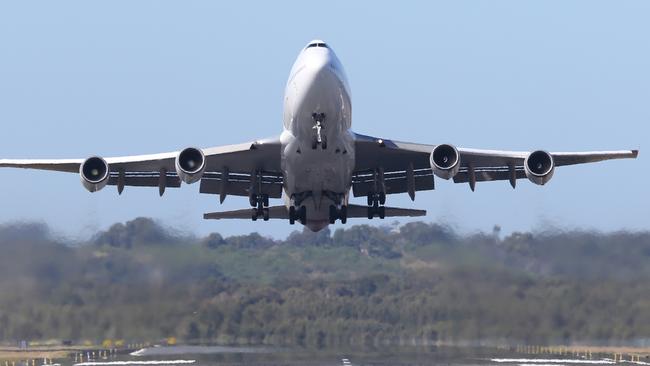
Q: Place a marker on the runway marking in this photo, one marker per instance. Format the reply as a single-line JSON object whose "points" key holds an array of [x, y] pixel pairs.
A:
{"points": [[554, 362], [119, 363], [541, 364]]}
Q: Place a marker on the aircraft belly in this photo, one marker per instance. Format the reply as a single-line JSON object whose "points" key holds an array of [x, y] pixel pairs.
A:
{"points": [[318, 170]]}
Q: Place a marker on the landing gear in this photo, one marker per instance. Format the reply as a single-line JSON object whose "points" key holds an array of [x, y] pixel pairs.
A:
{"points": [[318, 138], [299, 214], [260, 204], [376, 203], [338, 213], [257, 199]]}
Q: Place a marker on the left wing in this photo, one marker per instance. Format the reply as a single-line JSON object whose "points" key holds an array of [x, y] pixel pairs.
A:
{"points": [[231, 169], [396, 167]]}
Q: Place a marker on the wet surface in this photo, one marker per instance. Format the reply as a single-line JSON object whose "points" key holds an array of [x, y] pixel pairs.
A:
{"points": [[275, 356]]}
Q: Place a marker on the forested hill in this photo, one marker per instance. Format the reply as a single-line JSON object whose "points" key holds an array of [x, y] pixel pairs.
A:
{"points": [[363, 285]]}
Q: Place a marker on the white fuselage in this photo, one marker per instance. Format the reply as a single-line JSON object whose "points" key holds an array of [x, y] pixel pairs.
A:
{"points": [[317, 167]]}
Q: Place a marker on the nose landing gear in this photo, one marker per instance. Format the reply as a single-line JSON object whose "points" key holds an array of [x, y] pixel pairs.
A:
{"points": [[318, 138]]}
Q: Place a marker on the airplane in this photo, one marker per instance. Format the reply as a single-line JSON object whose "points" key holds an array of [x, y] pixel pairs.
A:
{"points": [[317, 162]]}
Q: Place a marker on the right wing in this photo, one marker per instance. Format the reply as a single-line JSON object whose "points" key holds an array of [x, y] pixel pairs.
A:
{"points": [[405, 166], [230, 169]]}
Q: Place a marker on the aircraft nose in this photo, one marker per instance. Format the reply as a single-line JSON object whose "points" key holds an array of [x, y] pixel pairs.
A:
{"points": [[320, 62]]}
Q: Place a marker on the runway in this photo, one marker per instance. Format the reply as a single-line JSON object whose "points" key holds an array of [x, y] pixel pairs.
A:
{"points": [[285, 356]]}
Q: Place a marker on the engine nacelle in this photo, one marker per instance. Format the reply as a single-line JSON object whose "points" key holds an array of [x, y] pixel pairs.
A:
{"points": [[190, 165], [445, 161], [539, 167], [94, 173]]}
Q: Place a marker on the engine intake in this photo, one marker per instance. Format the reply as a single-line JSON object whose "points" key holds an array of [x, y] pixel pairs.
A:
{"points": [[445, 161], [539, 167], [190, 165], [94, 173]]}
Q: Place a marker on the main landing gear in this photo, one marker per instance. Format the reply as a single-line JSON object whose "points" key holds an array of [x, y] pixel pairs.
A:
{"points": [[260, 204], [318, 138], [376, 203], [338, 213], [299, 214]]}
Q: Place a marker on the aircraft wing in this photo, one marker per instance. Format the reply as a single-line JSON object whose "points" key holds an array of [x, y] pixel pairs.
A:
{"points": [[228, 169], [406, 167]]}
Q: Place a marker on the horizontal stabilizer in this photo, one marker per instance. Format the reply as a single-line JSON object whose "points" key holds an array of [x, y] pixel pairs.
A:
{"points": [[281, 212], [275, 212], [362, 211]]}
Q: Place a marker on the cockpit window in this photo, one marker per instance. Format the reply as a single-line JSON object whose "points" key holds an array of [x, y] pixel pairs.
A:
{"points": [[317, 44]]}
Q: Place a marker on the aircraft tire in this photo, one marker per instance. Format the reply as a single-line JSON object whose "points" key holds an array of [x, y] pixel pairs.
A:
{"points": [[333, 214], [292, 215], [303, 215], [265, 214], [343, 215]]}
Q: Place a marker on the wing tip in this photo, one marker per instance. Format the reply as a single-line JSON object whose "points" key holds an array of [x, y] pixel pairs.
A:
{"points": [[635, 153]]}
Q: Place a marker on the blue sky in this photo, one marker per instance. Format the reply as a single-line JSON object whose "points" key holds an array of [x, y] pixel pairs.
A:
{"points": [[123, 77]]}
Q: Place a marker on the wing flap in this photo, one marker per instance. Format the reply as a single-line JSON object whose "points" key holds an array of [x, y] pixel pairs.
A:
{"points": [[240, 184], [395, 182], [487, 175], [149, 180]]}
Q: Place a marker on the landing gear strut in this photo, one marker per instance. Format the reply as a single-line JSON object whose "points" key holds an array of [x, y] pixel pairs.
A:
{"points": [[260, 204], [376, 203], [318, 138]]}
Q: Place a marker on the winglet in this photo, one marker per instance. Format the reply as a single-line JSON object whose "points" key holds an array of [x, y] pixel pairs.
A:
{"points": [[635, 153]]}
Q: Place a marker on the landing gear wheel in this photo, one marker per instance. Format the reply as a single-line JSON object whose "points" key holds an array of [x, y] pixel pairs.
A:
{"points": [[252, 199], [323, 143], [343, 214], [370, 200], [265, 214], [303, 215], [292, 215], [254, 215], [371, 212], [314, 142], [333, 214], [382, 198], [382, 212], [265, 200]]}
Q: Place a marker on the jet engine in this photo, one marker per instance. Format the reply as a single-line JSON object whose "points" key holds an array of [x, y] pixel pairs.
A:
{"points": [[539, 166], [445, 161], [190, 165], [94, 173]]}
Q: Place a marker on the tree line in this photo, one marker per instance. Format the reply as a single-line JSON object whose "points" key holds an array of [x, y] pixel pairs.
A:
{"points": [[418, 283]]}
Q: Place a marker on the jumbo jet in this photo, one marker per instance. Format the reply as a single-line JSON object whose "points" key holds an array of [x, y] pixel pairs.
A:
{"points": [[317, 162]]}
